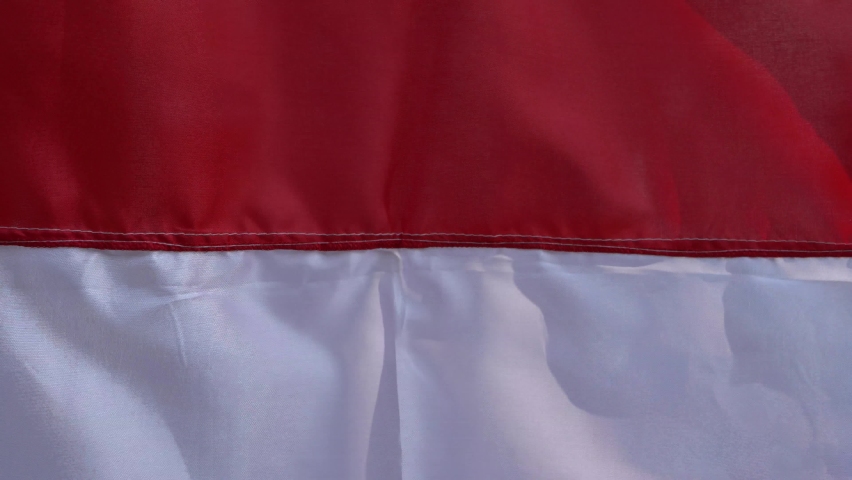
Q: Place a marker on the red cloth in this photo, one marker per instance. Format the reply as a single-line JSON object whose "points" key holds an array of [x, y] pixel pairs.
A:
{"points": [[701, 127]]}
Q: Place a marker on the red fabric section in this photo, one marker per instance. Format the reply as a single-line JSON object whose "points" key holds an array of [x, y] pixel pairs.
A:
{"points": [[695, 127]]}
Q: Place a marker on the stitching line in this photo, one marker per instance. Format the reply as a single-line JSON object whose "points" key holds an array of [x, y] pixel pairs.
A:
{"points": [[401, 234], [444, 242]]}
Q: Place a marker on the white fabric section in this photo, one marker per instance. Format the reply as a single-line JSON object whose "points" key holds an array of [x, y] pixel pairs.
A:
{"points": [[434, 364]]}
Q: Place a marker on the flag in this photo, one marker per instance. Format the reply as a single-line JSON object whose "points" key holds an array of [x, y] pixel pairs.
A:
{"points": [[400, 240]]}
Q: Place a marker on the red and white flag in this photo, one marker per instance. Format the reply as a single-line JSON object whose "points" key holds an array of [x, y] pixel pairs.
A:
{"points": [[425, 240]]}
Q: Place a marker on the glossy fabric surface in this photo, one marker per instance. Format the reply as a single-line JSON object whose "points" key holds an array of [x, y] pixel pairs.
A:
{"points": [[674, 127], [439, 364]]}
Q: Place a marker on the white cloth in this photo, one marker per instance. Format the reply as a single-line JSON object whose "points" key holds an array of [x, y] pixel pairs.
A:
{"points": [[433, 364]]}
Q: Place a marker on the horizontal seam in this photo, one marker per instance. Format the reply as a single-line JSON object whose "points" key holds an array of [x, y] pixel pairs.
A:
{"points": [[443, 242], [401, 234]]}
